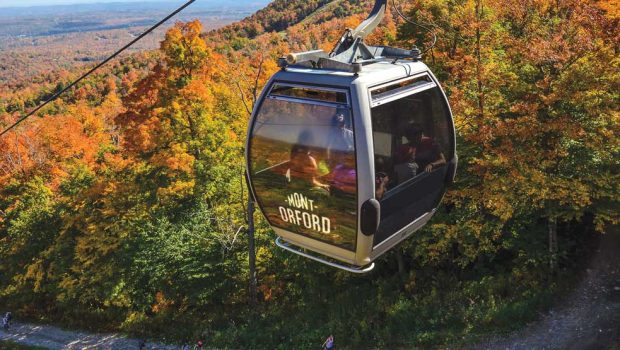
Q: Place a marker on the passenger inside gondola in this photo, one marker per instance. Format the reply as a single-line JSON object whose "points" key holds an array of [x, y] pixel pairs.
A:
{"points": [[420, 153], [381, 184], [303, 166]]}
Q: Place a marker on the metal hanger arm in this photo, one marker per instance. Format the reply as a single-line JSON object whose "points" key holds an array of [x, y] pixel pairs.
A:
{"points": [[351, 40], [373, 20]]}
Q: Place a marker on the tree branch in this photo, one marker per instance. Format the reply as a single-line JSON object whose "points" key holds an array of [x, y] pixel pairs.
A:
{"points": [[245, 104]]}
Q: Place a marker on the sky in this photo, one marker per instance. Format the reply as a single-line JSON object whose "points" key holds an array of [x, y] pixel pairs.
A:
{"points": [[26, 3]]}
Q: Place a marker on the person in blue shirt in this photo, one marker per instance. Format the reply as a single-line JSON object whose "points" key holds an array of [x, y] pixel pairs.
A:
{"points": [[329, 343], [6, 321]]}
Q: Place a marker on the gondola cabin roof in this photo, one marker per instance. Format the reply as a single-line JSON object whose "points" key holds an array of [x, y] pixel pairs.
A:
{"points": [[371, 74]]}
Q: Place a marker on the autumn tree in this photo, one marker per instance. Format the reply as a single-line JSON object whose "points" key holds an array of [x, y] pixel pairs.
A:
{"points": [[532, 88]]}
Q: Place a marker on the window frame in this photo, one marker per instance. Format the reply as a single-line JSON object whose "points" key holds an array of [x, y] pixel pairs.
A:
{"points": [[309, 100], [400, 93], [409, 182]]}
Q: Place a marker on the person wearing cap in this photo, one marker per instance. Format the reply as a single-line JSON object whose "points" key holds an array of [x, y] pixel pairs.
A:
{"points": [[421, 153]]}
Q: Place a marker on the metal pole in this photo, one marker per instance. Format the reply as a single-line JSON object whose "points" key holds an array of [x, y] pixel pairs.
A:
{"points": [[252, 251]]}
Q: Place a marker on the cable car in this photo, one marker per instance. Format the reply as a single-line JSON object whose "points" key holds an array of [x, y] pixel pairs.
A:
{"points": [[350, 152]]}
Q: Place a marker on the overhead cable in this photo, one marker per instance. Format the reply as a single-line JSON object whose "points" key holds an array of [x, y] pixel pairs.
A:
{"points": [[399, 12], [92, 70]]}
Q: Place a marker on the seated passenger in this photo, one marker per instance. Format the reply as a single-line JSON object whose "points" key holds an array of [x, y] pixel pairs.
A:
{"points": [[303, 165], [382, 178], [420, 152]]}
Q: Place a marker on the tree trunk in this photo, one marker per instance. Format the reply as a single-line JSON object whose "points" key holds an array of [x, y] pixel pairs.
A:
{"points": [[252, 253], [401, 262], [479, 13], [553, 243]]}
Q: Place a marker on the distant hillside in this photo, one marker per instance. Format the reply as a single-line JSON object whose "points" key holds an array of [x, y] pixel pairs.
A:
{"points": [[51, 20], [283, 14], [124, 6], [44, 39]]}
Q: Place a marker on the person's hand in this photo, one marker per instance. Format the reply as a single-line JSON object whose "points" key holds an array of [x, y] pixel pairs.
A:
{"points": [[429, 168]]}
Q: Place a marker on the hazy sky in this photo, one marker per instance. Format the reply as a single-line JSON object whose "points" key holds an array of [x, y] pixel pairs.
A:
{"points": [[22, 3]]}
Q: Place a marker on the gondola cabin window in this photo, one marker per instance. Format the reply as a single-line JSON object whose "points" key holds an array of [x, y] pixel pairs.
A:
{"points": [[412, 139], [310, 94], [302, 163]]}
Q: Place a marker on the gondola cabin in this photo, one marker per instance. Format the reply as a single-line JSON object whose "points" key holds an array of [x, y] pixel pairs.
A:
{"points": [[349, 153], [348, 165]]}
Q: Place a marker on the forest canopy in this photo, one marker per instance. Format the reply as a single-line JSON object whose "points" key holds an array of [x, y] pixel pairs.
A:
{"points": [[123, 202]]}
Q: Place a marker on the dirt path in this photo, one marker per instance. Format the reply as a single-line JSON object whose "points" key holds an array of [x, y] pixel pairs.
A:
{"points": [[588, 319], [56, 338]]}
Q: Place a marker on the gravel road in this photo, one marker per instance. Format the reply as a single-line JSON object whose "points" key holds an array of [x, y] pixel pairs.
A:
{"points": [[57, 339], [588, 319]]}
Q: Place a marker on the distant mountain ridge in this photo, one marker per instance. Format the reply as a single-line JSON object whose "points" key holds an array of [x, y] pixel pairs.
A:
{"points": [[123, 6], [280, 15], [61, 19]]}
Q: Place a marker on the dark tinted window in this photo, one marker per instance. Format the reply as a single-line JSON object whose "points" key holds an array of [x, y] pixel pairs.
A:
{"points": [[411, 135], [302, 167], [412, 139]]}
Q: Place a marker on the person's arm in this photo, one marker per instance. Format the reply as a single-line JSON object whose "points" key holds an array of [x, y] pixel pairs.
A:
{"points": [[434, 164]]}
